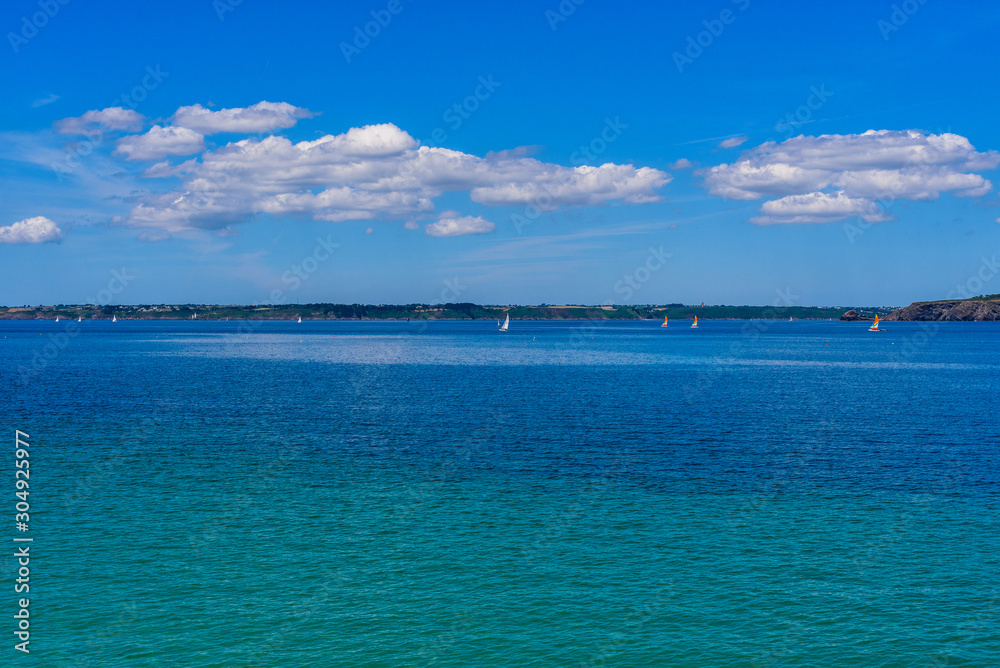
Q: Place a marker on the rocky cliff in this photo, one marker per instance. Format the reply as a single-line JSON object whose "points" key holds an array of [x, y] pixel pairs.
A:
{"points": [[949, 310]]}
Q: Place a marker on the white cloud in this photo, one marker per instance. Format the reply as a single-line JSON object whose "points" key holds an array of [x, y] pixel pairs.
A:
{"points": [[732, 142], [818, 207], [37, 230], [159, 142], [876, 165], [261, 117], [455, 227], [42, 101], [683, 163], [551, 186], [112, 118], [371, 172]]}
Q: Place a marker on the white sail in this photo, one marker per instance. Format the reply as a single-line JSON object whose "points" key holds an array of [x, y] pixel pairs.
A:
{"points": [[300, 318], [114, 318], [57, 318], [506, 323]]}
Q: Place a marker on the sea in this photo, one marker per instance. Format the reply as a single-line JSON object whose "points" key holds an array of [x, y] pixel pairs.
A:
{"points": [[386, 494]]}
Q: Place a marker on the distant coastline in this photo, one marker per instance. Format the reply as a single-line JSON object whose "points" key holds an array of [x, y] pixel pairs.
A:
{"points": [[985, 308], [455, 311]]}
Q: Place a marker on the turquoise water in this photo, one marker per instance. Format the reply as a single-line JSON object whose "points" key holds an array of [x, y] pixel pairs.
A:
{"points": [[566, 494]]}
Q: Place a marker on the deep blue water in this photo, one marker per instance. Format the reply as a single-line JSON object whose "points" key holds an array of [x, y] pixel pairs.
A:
{"points": [[565, 494]]}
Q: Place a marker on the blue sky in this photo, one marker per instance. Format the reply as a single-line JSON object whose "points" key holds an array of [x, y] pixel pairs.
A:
{"points": [[585, 143]]}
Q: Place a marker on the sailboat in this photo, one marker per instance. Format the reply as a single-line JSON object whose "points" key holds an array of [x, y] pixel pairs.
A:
{"points": [[874, 327], [694, 325], [57, 318], [789, 318], [506, 323], [80, 319], [664, 321], [300, 319], [114, 318]]}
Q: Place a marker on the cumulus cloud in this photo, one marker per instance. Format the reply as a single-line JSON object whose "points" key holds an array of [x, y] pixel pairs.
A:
{"points": [[818, 207], [456, 227], [858, 170], [261, 117], [732, 142], [553, 186], [683, 163], [37, 230], [112, 118], [371, 172], [160, 142]]}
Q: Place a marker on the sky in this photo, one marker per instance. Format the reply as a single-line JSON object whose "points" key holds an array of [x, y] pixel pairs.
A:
{"points": [[402, 151]]}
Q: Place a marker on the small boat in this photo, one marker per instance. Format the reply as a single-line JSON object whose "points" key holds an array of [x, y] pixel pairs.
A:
{"points": [[300, 319], [789, 318], [80, 319], [664, 321], [874, 327], [57, 318], [506, 323], [694, 325]]}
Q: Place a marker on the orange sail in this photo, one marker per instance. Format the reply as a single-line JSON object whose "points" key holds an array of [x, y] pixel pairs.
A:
{"points": [[694, 325], [874, 327], [664, 321]]}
